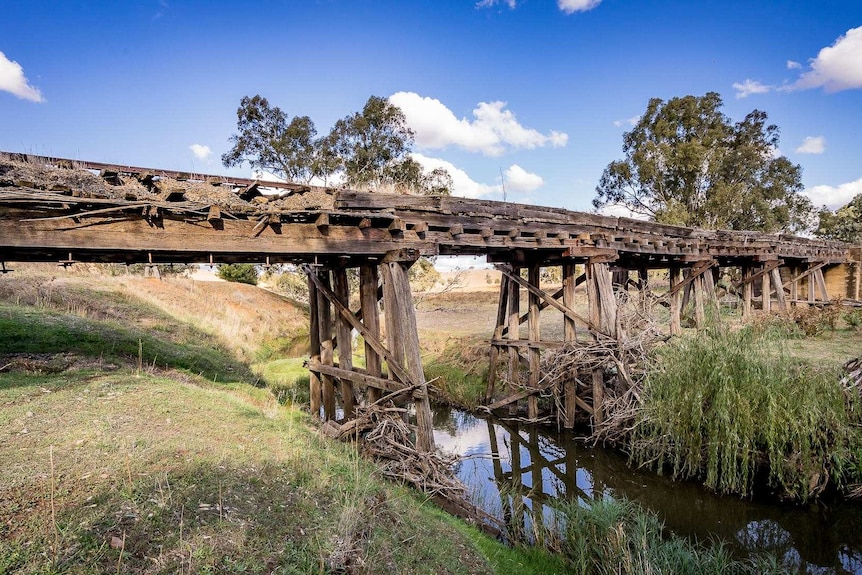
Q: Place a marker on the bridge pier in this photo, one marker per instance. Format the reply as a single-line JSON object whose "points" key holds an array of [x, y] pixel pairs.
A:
{"points": [[532, 389], [379, 279]]}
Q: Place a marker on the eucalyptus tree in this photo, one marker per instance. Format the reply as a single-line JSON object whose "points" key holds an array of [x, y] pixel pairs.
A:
{"points": [[267, 141], [687, 163], [370, 149], [843, 224]]}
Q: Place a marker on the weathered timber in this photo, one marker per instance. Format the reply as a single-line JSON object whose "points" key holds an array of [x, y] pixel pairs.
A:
{"points": [[324, 319], [368, 297], [345, 342], [314, 384], [534, 354]]}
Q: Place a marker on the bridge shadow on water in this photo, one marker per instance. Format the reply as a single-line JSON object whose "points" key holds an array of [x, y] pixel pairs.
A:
{"points": [[517, 471]]}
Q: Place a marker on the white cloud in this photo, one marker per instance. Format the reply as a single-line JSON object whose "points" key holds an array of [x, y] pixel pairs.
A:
{"points": [[631, 122], [812, 145], [490, 3], [620, 211], [836, 67], [201, 152], [462, 183], [571, 6], [493, 130], [520, 180], [792, 65], [12, 80], [749, 87], [834, 197]]}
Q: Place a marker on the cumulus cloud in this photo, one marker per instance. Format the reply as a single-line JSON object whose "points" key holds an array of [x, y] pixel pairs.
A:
{"points": [[834, 197], [462, 183], [836, 67], [520, 180], [812, 145], [631, 122], [200, 151], [490, 3], [572, 6], [749, 87], [492, 131], [13, 80]]}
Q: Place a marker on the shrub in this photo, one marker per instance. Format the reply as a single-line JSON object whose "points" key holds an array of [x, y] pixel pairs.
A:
{"points": [[240, 273], [723, 405]]}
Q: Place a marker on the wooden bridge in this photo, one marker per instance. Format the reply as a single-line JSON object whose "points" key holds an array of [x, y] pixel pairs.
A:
{"points": [[69, 211]]}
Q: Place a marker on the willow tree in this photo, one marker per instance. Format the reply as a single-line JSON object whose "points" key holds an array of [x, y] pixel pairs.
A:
{"points": [[687, 163]]}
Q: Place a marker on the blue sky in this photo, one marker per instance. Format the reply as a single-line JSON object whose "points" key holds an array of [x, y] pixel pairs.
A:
{"points": [[539, 90]]}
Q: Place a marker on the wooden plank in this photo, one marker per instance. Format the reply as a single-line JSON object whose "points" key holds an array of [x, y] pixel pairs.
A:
{"points": [[368, 297], [513, 336], [533, 327], [794, 285], [779, 289], [747, 289], [413, 354], [345, 341], [324, 315], [821, 283], [811, 291], [502, 320], [675, 301], [314, 383], [697, 290], [608, 308], [765, 295], [357, 376], [570, 334], [516, 397]]}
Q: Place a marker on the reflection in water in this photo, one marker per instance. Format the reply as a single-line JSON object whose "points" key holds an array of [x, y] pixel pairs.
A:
{"points": [[514, 472]]}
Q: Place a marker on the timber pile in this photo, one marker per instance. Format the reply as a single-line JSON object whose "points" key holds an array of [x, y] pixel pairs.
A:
{"points": [[383, 436], [852, 379]]}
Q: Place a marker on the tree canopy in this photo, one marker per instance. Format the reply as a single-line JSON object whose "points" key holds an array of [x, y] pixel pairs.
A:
{"points": [[267, 141], [843, 224], [366, 150], [687, 164]]}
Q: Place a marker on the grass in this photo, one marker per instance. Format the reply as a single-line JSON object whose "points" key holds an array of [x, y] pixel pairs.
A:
{"points": [[287, 379], [616, 536], [30, 330], [728, 406], [111, 464], [459, 370]]}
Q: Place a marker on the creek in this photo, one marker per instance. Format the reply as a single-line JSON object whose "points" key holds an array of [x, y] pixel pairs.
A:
{"points": [[817, 538]]}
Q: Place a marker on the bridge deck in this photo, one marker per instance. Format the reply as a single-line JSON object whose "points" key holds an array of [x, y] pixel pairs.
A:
{"points": [[56, 209]]}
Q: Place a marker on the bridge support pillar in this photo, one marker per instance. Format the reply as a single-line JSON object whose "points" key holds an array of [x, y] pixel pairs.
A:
{"points": [[400, 351]]}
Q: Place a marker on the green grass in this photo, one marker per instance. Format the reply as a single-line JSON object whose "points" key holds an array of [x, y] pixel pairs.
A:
{"points": [[39, 330], [616, 536], [110, 468], [287, 379], [726, 406]]}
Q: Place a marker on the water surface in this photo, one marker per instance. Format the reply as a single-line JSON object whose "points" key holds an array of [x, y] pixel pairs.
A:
{"points": [[818, 538]]}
